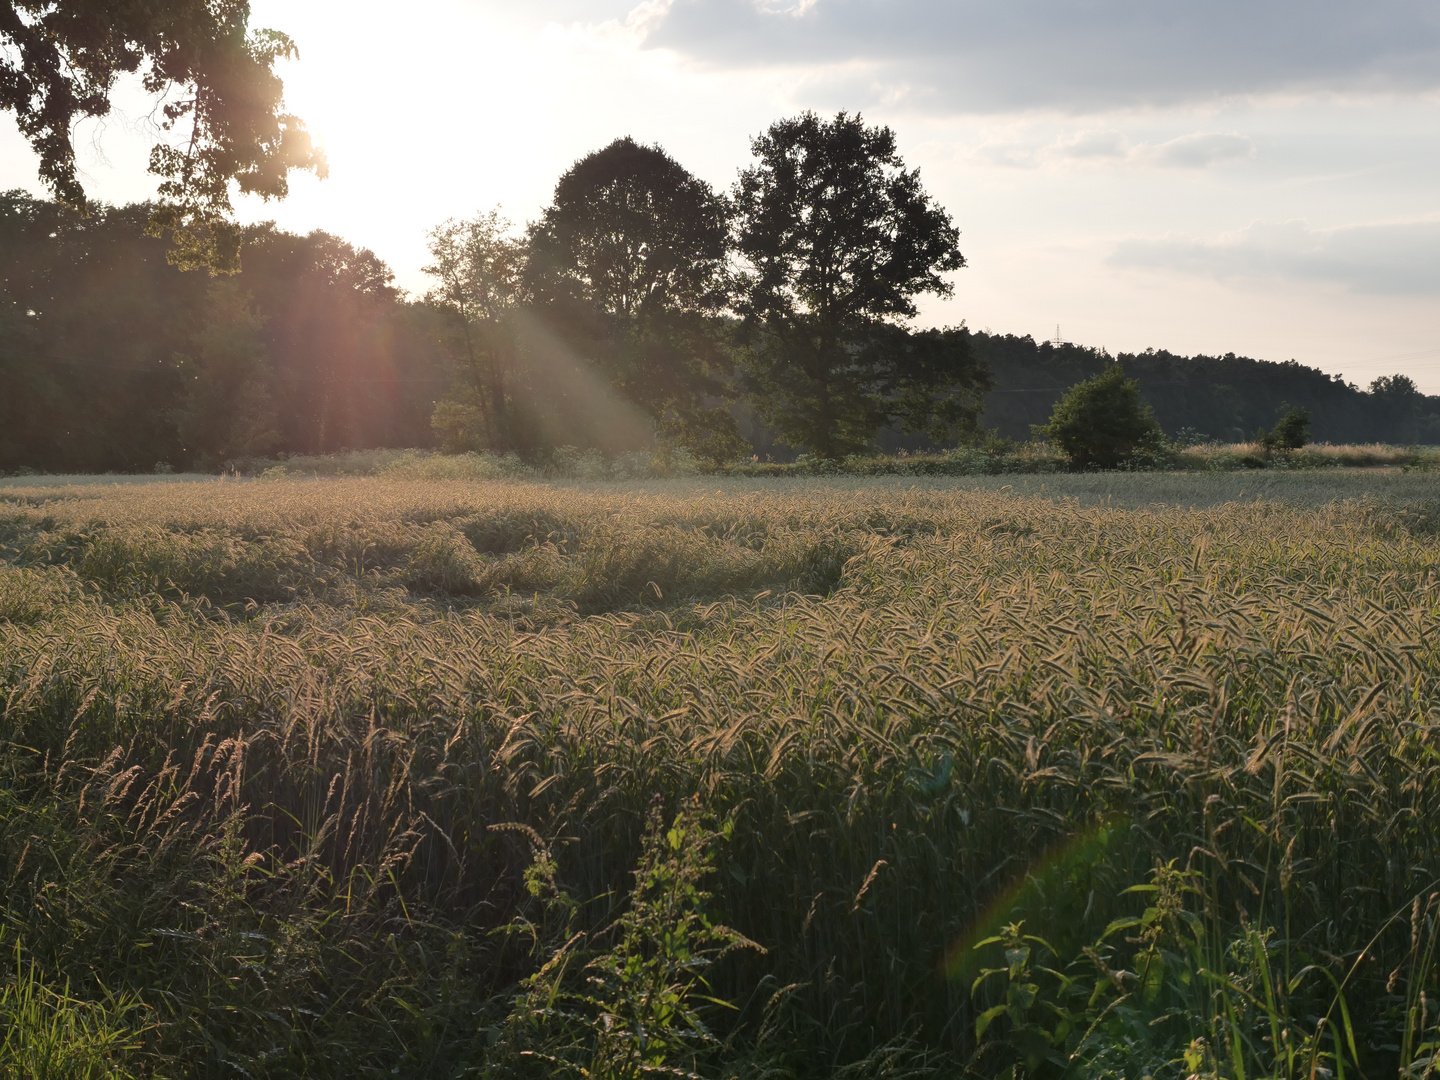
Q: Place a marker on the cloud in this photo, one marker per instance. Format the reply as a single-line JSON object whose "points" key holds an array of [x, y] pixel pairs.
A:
{"points": [[1201, 150], [1075, 55], [1094, 145], [1198, 150], [1085, 147], [793, 8], [1401, 258]]}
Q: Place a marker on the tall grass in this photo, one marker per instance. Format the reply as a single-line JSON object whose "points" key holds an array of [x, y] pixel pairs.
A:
{"points": [[561, 461], [1230, 456], [49, 1034], [330, 776]]}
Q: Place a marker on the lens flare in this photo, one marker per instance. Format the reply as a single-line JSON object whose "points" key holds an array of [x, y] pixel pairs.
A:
{"points": [[1060, 865]]}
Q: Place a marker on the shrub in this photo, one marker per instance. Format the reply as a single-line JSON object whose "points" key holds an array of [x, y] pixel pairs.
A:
{"points": [[1103, 422], [1291, 431], [419, 465]]}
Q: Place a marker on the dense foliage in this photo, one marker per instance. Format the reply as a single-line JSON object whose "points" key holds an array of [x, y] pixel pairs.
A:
{"points": [[628, 265], [612, 329], [220, 101], [363, 777], [1291, 431], [837, 239], [111, 358]]}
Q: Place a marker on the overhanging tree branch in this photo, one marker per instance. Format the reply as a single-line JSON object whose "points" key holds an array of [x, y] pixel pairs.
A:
{"points": [[63, 61]]}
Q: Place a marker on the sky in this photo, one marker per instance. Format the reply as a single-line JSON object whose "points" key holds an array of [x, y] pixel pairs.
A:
{"points": [[1248, 176]]}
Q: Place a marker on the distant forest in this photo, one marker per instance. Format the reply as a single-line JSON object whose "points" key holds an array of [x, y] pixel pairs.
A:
{"points": [[111, 359], [1225, 398]]}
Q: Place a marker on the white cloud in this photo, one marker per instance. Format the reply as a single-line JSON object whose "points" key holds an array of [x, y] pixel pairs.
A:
{"points": [[793, 8], [1203, 149], [1094, 145], [1398, 258], [1198, 150]]}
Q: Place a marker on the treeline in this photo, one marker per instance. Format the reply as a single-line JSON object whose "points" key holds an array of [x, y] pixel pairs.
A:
{"points": [[1224, 398], [644, 305], [641, 310], [112, 359]]}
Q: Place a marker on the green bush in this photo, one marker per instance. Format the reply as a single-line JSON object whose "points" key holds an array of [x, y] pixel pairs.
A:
{"points": [[1104, 423], [1291, 431]]}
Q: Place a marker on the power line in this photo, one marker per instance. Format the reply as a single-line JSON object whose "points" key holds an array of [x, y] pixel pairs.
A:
{"points": [[1421, 355]]}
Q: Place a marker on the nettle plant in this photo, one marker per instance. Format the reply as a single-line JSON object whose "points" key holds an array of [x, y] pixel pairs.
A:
{"points": [[1058, 1018], [1168, 994], [631, 1000]]}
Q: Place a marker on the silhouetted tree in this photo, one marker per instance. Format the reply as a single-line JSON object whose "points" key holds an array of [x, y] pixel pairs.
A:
{"points": [[351, 362], [477, 266], [628, 265], [98, 316], [30, 390], [1224, 397], [1400, 403], [838, 238], [226, 113]]}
